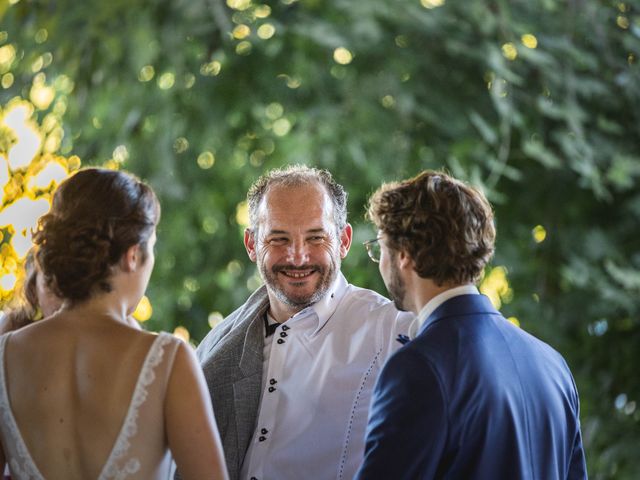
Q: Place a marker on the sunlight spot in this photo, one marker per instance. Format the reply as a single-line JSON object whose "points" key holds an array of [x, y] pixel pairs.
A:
{"points": [[146, 73], [529, 40], [8, 282], [431, 3], [211, 68], [52, 172], [281, 127], [262, 11], [241, 32], [206, 160], [182, 333], [166, 81], [539, 233], [214, 319], [242, 214], [342, 56], [144, 310], [274, 111], [266, 31], [509, 51]]}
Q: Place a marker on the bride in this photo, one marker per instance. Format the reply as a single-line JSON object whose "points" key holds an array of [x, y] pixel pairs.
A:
{"points": [[83, 394]]}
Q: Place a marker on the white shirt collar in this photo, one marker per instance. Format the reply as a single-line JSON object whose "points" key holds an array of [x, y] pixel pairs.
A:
{"points": [[439, 299], [324, 308]]}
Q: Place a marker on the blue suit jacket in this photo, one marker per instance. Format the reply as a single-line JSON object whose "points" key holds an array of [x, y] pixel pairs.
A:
{"points": [[474, 397]]}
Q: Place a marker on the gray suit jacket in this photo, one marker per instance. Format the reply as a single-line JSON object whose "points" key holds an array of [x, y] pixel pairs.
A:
{"points": [[231, 356]]}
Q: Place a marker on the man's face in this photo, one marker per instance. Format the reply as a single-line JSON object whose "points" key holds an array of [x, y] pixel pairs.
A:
{"points": [[297, 248], [390, 272]]}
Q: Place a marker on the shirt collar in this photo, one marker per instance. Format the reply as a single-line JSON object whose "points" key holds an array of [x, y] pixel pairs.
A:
{"points": [[324, 308], [439, 299]]}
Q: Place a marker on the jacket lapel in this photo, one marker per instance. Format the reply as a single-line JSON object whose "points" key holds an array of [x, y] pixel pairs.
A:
{"points": [[246, 390]]}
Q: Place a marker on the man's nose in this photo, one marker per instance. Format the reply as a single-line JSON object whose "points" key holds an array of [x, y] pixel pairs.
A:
{"points": [[298, 253]]}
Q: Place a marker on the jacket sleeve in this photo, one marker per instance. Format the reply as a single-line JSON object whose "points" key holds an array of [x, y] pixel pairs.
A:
{"points": [[407, 427], [577, 465], [577, 462]]}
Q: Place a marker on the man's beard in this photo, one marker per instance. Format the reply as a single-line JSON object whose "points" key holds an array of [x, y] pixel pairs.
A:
{"points": [[327, 275], [395, 286]]}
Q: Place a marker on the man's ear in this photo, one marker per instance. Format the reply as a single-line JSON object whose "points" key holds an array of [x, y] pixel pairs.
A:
{"points": [[250, 243], [404, 260], [345, 240], [131, 257]]}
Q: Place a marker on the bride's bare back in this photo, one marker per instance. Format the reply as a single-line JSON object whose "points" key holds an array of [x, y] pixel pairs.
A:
{"points": [[71, 382], [84, 380]]}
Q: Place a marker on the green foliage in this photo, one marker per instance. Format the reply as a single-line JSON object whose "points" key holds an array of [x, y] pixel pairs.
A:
{"points": [[552, 133]]}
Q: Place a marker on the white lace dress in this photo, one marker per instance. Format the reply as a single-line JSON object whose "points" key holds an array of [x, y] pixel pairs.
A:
{"points": [[139, 452]]}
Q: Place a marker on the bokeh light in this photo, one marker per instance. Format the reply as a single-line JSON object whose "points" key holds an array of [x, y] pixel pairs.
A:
{"points": [[144, 310], [529, 40], [342, 56], [214, 319], [206, 160], [509, 51], [30, 170], [496, 286], [239, 4], [242, 214], [182, 333], [539, 233], [266, 31], [28, 140], [431, 3]]}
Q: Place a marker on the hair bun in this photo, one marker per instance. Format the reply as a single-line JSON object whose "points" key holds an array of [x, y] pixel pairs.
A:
{"points": [[96, 215]]}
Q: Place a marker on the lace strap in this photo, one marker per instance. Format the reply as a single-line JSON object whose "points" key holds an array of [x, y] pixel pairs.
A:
{"points": [[112, 469], [20, 462]]}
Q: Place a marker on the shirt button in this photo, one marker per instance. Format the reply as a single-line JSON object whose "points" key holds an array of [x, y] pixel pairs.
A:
{"points": [[264, 431], [280, 341], [283, 334], [285, 328], [273, 381], [272, 389], [262, 438], [253, 478]]}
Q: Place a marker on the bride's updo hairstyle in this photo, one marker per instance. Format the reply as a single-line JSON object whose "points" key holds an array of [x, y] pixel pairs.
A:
{"points": [[95, 216]]}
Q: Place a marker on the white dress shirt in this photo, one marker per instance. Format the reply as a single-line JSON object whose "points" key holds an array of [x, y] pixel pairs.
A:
{"points": [[439, 299], [320, 367]]}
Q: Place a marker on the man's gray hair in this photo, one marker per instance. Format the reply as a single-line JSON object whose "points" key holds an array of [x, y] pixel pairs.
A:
{"points": [[296, 176]]}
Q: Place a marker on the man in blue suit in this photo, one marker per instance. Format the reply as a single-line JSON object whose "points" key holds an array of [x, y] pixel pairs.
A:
{"points": [[472, 396]]}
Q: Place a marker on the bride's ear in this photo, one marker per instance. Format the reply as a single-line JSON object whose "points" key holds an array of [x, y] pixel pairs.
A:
{"points": [[129, 260]]}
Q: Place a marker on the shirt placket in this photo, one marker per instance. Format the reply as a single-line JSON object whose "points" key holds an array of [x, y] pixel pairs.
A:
{"points": [[267, 420]]}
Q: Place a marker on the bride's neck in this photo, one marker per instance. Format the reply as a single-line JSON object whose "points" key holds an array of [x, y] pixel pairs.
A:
{"points": [[104, 306]]}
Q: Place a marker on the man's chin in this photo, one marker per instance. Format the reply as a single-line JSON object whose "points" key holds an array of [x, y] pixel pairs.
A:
{"points": [[298, 300]]}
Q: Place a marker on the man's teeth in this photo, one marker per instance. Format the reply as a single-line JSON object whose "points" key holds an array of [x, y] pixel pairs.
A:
{"points": [[297, 274]]}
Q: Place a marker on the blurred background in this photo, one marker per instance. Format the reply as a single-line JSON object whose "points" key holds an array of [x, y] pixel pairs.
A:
{"points": [[536, 102]]}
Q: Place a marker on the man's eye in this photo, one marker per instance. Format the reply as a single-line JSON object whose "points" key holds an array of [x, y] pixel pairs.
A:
{"points": [[277, 241], [317, 239]]}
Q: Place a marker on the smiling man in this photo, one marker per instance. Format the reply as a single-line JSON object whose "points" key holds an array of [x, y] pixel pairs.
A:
{"points": [[292, 370]]}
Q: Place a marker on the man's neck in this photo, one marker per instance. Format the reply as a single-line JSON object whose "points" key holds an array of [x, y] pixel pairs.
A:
{"points": [[281, 312], [426, 291]]}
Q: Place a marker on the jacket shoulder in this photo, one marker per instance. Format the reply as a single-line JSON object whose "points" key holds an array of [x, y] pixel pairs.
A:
{"points": [[239, 319]]}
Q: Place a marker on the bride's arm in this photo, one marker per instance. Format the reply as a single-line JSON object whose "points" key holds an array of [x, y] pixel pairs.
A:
{"points": [[191, 427]]}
